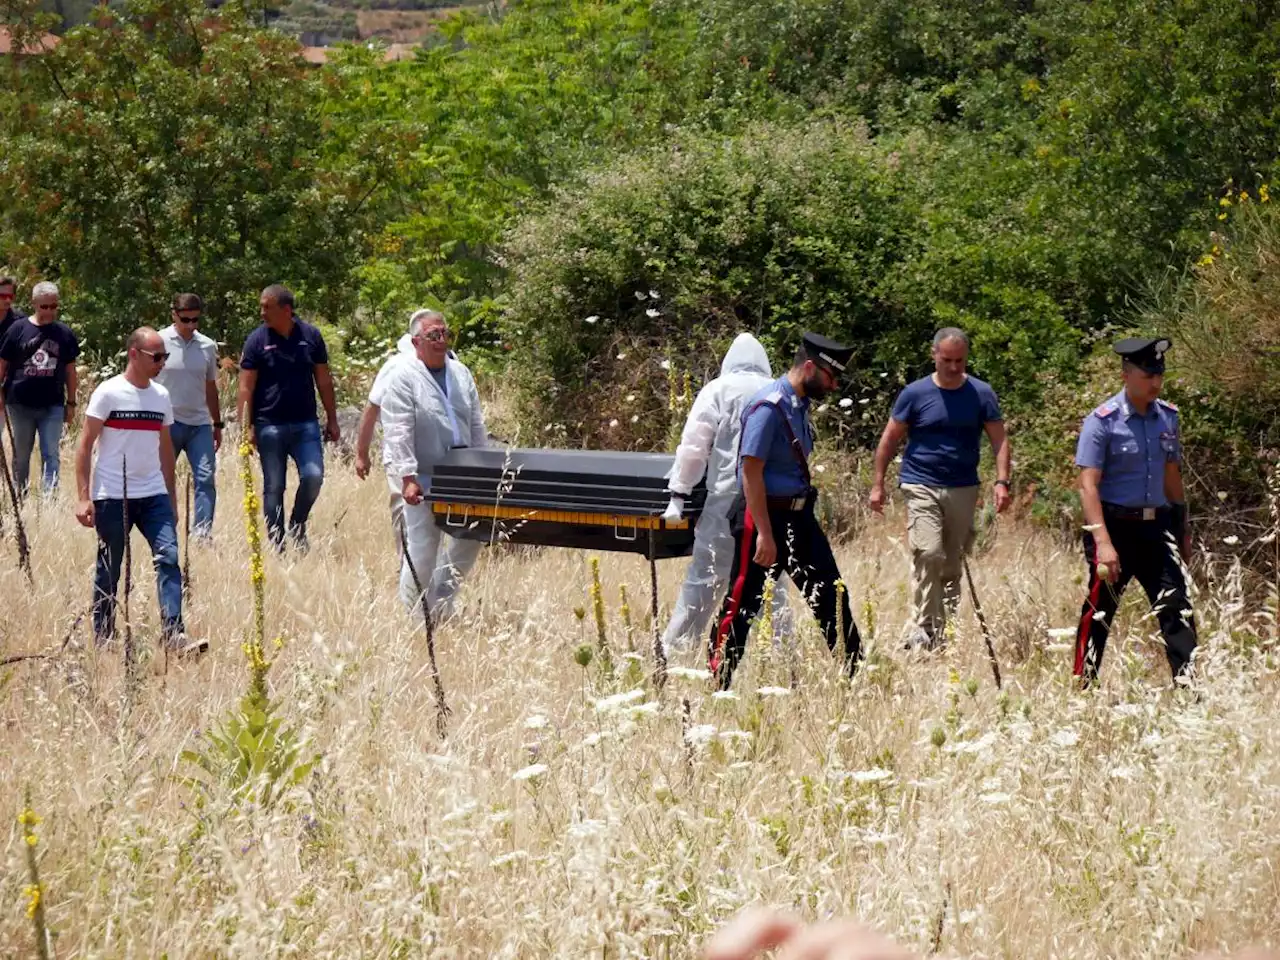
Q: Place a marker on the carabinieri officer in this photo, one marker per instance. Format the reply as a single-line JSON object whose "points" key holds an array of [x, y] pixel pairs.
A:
{"points": [[1135, 515], [772, 522]]}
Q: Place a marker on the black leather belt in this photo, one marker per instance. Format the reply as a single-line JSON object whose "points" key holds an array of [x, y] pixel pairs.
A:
{"points": [[788, 504], [1135, 513]]}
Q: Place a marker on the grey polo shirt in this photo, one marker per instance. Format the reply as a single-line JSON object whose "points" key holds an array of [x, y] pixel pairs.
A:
{"points": [[191, 364]]}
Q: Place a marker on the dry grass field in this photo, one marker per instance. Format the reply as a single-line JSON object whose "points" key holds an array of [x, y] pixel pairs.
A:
{"points": [[576, 812]]}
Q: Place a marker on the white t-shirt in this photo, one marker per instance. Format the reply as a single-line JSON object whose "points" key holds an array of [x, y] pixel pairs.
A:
{"points": [[131, 422]]}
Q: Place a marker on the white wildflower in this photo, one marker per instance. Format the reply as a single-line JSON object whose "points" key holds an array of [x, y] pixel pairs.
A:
{"points": [[622, 356], [508, 858], [652, 313], [1222, 495], [1065, 738], [618, 700], [865, 400], [995, 798], [591, 319], [529, 772], [639, 294], [688, 673], [1231, 541], [635, 418], [630, 397], [725, 695], [536, 722], [665, 364], [845, 403], [613, 423], [653, 294], [773, 692], [821, 468], [700, 735], [644, 709], [1060, 633], [874, 775]]}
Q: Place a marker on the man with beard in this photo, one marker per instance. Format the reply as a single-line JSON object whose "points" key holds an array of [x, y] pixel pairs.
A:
{"points": [[1135, 512], [773, 523]]}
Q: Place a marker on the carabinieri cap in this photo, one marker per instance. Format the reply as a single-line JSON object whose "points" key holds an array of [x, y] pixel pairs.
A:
{"points": [[827, 353], [1145, 353]]}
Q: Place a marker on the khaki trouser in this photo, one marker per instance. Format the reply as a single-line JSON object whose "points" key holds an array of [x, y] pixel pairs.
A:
{"points": [[940, 531]]}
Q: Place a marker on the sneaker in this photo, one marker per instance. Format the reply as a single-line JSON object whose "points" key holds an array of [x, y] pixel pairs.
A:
{"points": [[184, 646]]}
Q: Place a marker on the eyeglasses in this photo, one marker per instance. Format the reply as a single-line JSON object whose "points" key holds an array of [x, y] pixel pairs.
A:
{"points": [[182, 319], [435, 336], [159, 356], [46, 306]]}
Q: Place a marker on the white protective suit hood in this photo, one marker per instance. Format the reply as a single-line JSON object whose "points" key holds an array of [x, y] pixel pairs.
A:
{"points": [[709, 442]]}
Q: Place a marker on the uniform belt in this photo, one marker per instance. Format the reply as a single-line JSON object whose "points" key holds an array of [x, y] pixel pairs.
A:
{"points": [[791, 504], [1135, 513]]}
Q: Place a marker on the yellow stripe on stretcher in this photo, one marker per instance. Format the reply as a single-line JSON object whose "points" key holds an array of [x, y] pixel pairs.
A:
{"points": [[619, 520]]}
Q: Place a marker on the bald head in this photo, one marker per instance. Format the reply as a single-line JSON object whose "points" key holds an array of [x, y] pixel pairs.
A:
{"points": [[146, 356]]}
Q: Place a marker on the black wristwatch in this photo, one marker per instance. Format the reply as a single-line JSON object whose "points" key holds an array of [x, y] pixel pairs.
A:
{"points": [[219, 425], [1004, 483]]}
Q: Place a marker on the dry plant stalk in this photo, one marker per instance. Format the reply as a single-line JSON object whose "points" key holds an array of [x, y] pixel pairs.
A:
{"points": [[255, 646], [186, 545], [20, 530], [659, 651], [130, 654], [597, 606], [442, 707], [986, 630]]}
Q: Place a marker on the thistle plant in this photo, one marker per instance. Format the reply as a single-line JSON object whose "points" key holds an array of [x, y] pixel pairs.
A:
{"points": [[34, 890]]}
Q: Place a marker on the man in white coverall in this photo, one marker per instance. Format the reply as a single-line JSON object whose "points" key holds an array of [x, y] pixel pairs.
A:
{"points": [[709, 444], [369, 419], [430, 406]]}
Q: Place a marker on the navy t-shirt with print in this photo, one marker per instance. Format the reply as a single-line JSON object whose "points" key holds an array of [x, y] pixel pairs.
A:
{"points": [[38, 357], [285, 391], [944, 431]]}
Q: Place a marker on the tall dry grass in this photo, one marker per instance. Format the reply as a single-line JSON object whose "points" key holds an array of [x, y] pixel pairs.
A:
{"points": [[572, 812]]}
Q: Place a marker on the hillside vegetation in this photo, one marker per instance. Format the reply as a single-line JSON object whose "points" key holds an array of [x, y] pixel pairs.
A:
{"points": [[1045, 175]]}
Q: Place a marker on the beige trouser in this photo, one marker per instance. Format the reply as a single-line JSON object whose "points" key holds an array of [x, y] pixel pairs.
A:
{"points": [[940, 530]]}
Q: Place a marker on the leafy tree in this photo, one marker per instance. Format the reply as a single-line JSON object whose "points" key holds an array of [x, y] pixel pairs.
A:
{"points": [[168, 147]]}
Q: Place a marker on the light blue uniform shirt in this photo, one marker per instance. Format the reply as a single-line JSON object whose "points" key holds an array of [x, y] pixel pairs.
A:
{"points": [[764, 436], [1131, 450]]}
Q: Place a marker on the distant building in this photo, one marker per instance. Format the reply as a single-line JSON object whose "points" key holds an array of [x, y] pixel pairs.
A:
{"points": [[35, 46]]}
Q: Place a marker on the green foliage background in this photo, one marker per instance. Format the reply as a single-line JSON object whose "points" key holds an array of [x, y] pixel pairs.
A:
{"points": [[1044, 173]]}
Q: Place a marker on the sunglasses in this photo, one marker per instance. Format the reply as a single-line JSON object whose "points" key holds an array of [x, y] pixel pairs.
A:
{"points": [[159, 356], [195, 319], [46, 306], [6, 296]]}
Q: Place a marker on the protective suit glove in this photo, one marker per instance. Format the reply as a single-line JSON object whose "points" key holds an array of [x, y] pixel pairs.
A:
{"points": [[675, 510]]}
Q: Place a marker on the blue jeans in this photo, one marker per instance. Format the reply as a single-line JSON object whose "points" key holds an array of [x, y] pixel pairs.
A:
{"points": [[196, 441], [277, 443], [154, 517], [27, 423]]}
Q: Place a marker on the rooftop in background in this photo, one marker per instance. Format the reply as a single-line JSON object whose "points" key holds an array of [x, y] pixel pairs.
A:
{"points": [[394, 51], [44, 43]]}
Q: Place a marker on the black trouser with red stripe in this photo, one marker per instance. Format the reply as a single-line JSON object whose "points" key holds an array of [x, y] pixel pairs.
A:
{"points": [[1147, 551], [805, 556]]}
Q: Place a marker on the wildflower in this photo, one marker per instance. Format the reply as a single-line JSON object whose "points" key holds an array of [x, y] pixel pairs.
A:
{"points": [[874, 775], [865, 400], [845, 403], [652, 314], [535, 722], [1060, 633], [618, 700], [653, 294], [591, 319], [1222, 495], [665, 365], [639, 294], [1231, 541], [995, 798], [630, 397], [700, 735], [1264, 193], [725, 695], [1065, 738], [530, 772], [635, 418], [613, 423], [773, 692], [622, 356], [688, 673]]}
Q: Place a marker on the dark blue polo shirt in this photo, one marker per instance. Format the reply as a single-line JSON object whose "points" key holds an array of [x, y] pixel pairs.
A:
{"points": [[285, 391]]}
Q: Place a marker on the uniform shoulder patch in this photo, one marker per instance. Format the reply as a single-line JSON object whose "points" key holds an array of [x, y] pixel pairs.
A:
{"points": [[1106, 409], [773, 398], [1167, 405]]}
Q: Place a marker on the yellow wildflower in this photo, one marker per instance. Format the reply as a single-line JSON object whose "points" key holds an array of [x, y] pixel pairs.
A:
{"points": [[32, 892]]}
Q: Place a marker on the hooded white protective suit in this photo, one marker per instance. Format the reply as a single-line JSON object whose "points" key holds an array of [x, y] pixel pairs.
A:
{"points": [[709, 444], [420, 424]]}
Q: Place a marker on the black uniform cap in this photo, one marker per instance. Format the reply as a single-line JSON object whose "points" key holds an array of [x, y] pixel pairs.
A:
{"points": [[1145, 353], [825, 352]]}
